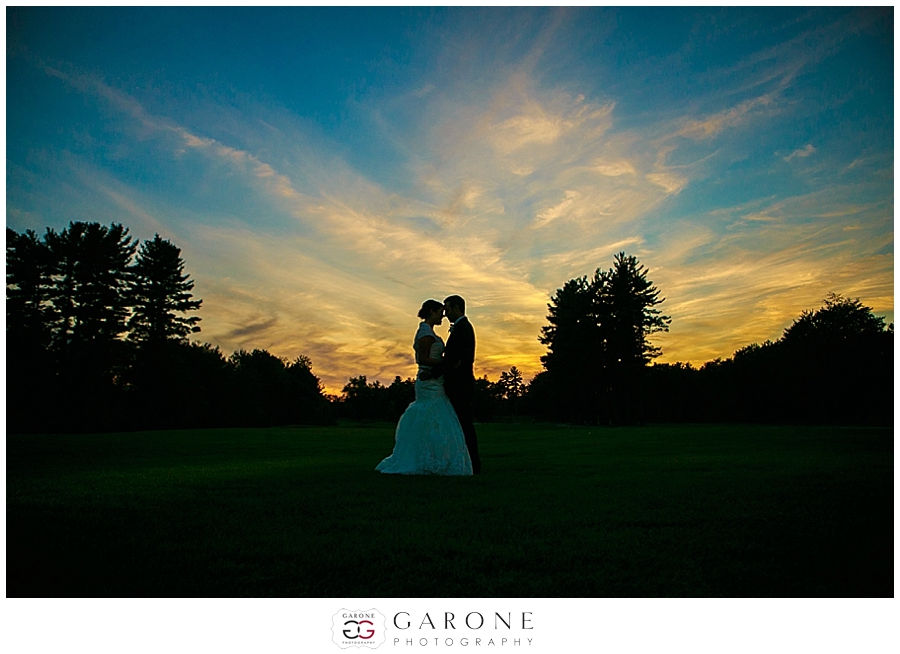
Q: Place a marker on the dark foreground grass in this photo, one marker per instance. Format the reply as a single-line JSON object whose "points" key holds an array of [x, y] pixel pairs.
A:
{"points": [[558, 512]]}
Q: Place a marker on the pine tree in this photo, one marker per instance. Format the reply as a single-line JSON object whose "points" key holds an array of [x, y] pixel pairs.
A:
{"points": [[575, 351], [598, 342], [28, 284], [30, 372], [571, 327], [89, 295], [88, 303], [160, 291], [631, 300], [512, 386]]}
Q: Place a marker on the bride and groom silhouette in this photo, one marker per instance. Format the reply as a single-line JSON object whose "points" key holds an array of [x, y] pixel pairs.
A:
{"points": [[435, 435]]}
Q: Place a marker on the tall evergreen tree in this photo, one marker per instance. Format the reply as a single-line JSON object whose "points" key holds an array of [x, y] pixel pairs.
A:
{"points": [[630, 300], [511, 391], [570, 311], [28, 281], [511, 385], [89, 298], [574, 350], [598, 342], [91, 277], [160, 291], [30, 370]]}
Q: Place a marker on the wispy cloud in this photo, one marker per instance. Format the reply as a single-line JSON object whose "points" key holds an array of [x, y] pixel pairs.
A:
{"points": [[497, 183], [727, 292], [730, 118], [802, 153]]}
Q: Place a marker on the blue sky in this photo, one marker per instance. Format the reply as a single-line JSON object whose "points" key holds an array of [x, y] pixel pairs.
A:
{"points": [[326, 170]]}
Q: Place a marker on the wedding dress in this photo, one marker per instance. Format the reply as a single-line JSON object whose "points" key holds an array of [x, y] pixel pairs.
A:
{"points": [[429, 439]]}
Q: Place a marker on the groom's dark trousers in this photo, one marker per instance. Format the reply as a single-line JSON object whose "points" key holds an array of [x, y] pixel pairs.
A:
{"points": [[459, 382]]}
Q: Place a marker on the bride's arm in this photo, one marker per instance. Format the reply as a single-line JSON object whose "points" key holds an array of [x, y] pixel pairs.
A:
{"points": [[423, 349]]}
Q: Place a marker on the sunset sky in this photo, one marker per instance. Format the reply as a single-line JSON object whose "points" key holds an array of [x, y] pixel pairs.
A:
{"points": [[326, 170]]}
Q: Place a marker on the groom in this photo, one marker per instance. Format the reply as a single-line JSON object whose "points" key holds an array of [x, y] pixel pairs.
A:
{"points": [[459, 378]]}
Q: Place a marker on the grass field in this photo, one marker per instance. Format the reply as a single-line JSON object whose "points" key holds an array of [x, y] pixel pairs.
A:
{"points": [[559, 512]]}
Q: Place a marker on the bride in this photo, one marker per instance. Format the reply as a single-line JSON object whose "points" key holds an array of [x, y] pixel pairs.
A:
{"points": [[429, 439]]}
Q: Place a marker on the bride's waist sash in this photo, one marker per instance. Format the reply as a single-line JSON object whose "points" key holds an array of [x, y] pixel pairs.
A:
{"points": [[423, 369], [430, 388]]}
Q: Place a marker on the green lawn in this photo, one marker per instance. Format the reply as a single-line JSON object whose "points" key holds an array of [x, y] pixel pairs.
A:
{"points": [[559, 512]]}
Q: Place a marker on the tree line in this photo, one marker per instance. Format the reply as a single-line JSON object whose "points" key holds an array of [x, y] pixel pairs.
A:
{"points": [[832, 365], [361, 399], [98, 333]]}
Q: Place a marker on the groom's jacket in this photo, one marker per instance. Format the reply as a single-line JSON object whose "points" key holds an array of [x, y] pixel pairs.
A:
{"points": [[459, 354]]}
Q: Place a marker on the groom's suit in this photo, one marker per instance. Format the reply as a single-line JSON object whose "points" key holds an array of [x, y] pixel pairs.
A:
{"points": [[459, 381]]}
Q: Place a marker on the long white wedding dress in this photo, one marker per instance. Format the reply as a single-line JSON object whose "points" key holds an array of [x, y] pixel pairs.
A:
{"points": [[429, 439]]}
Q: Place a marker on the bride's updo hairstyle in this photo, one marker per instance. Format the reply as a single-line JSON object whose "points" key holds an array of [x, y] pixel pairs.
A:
{"points": [[428, 306]]}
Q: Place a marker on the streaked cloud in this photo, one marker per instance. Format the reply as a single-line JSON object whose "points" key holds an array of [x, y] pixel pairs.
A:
{"points": [[492, 174], [614, 169], [671, 183], [802, 153], [728, 119]]}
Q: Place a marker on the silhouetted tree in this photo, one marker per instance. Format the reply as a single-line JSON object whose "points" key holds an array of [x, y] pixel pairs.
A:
{"points": [[511, 385], [359, 400], [175, 385], [632, 300], [540, 398], [68, 297], [162, 366], [263, 389], [629, 301], [509, 391], [91, 276], [672, 394], [485, 399], [28, 282], [88, 303], [833, 365], [30, 369], [364, 400], [307, 393], [598, 343], [195, 385], [160, 292], [575, 351], [836, 363], [399, 395], [202, 392], [839, 319]]}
